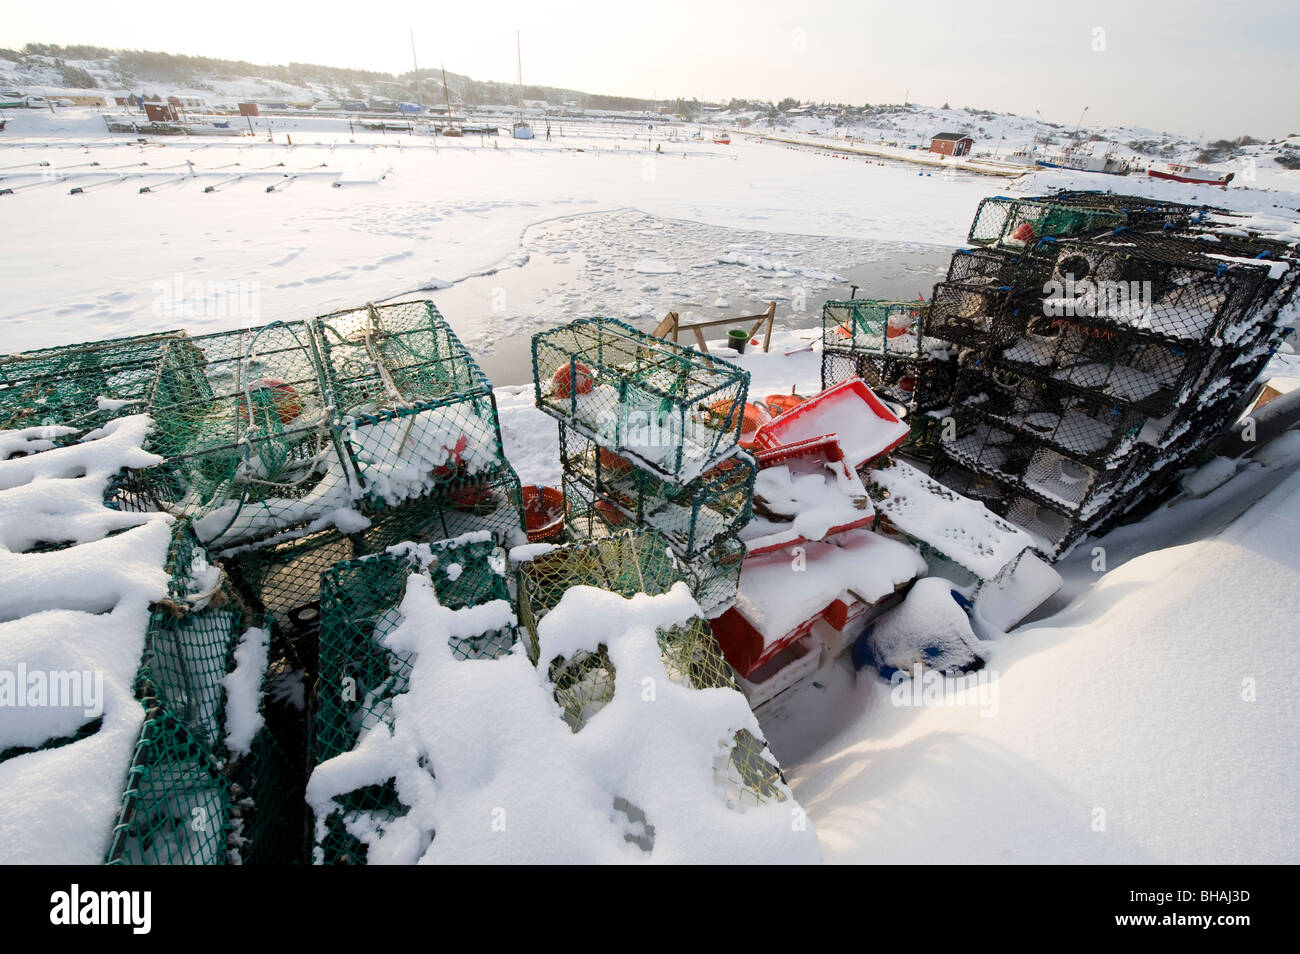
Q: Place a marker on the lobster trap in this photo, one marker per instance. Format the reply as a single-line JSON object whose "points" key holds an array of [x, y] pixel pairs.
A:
{"points": [[674, 410], [1133, 369], [1017, 223], [918, 384], [1036, 469], [361, 602], [176, 807], [1148, 283], [281, 576], [690, 516], [80, 386], [884, 328], [627, 562], [360, 677], [415, 410], [972, 313], [1042, 410], [243, 425], [1139, 212]]}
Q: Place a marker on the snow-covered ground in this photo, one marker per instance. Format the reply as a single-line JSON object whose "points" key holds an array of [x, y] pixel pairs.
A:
{"points": [[1145, 720]]}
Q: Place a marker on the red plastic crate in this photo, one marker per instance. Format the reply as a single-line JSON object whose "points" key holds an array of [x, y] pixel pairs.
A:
{"points": [[744, 646], [850, 411]]}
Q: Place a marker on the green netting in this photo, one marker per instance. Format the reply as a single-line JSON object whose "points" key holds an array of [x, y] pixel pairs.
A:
{"points": [[191, 639], [627, 562], [359, 677], [691, 516], [242, 421], [887, 328], [714, 575], [176, 806], [64, 385], [673, 409], [281, 576], [415, 410], [1018, 223]]}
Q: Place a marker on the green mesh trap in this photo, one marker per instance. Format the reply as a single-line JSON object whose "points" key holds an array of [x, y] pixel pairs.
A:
{"points": [[672, 409], [80, 386], [176, 807], [691, 516], [628, 562], [242, 423], [886, 328], [1018, 223], [191, 639], [714, 575], [415, 410], [359, 677]]}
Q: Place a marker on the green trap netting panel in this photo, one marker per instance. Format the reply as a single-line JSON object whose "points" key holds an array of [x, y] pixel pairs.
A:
{"points": [[672, 409], [359, 677], [415, 410], [81, 386], [691, 516], [176, 807], [1018, 223], [242, 421], [887, 328], [627, 562], [191, 640], [281, 576]]}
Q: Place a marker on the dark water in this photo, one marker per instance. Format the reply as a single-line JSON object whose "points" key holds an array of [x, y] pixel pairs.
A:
{"points": [[900, 274]]}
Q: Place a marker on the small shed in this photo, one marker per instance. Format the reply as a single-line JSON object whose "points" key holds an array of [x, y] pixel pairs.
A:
{"points": [[951, 144]]}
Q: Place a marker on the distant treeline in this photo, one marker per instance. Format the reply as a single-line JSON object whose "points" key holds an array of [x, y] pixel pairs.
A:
{"points": [[141, 66]]}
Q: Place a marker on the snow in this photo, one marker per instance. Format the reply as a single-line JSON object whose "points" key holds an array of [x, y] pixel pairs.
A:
{"points": [[1141, 723], [82, 609], [798, 504], [927, 630], [514, 784], [960, 528], [781, 591], [243, 687]]}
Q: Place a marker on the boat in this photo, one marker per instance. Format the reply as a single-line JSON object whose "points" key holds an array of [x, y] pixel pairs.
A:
{"points": [[1084, 162], [521, 129], [1197, 175], [722, 139]]}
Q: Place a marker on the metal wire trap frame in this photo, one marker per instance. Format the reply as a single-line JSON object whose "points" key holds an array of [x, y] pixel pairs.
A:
{"points": [[414, 409], [244, 427], [675, 410]]}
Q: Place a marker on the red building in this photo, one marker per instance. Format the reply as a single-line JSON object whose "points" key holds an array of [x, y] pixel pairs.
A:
{"points": [[160, 112], [951, 144]]}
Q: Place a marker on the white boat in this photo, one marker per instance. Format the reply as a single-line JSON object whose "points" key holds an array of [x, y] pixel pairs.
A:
{"points": [[521, 129], [1085, 162], [1178, 172]]}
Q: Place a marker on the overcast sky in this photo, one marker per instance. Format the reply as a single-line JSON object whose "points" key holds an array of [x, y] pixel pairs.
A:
{"points": [[1194, 67]]}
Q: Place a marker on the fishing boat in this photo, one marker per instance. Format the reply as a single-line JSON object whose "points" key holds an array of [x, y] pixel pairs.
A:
{"points": [[722, 139], [521, 129], [1085, 162], [1194, 174]]}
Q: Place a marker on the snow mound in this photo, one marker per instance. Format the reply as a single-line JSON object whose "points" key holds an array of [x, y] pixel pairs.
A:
{"points": [[644, 779], [928, 629]]}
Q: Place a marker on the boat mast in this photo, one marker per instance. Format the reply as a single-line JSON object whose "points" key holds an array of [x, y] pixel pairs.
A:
{"points": [[519, 67], [419, 96], [446, 93]]}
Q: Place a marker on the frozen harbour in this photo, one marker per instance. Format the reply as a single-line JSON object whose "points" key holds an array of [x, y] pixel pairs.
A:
{"points": [[1144, 720]]}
